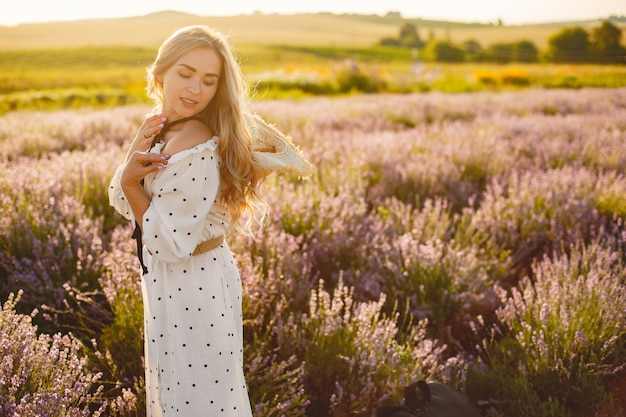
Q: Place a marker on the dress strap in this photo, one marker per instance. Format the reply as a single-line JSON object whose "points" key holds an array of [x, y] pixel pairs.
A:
{"points": [[168, 126], [137, 236]]}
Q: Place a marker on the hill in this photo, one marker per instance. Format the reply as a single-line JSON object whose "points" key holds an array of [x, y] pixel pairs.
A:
{"points": [[150, 30], [323, 29]]}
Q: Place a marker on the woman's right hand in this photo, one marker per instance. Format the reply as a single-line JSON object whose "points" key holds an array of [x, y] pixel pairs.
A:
{"points": [[150, 127], [140, 164]]}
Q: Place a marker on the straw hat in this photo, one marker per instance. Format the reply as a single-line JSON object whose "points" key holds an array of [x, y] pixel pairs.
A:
{"points": [[274, 151]]}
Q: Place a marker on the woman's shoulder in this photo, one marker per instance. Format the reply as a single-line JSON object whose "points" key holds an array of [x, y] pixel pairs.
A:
{"points": [[192, 134], [196, 128], [208, 146]]}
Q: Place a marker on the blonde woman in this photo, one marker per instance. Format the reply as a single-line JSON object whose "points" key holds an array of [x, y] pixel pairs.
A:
{"points": [[192, 173]]}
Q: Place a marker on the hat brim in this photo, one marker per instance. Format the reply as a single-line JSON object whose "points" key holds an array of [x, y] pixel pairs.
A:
{"points": [[272, 150]]}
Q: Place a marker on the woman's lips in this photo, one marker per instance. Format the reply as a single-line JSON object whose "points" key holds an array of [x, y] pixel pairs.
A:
{"points": [[187, 102]]}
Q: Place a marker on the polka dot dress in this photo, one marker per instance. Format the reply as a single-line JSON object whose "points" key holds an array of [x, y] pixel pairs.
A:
{"points": [[192, 304]]}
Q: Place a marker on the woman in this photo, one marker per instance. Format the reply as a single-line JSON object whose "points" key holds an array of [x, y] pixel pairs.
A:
{"points": [[193, 173]]}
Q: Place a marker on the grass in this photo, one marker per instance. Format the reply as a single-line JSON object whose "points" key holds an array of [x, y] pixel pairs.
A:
{"points": [[109, 76], [101, 62]]}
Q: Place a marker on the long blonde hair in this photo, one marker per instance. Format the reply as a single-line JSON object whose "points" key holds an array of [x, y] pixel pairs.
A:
{"points": [[225, 115]]}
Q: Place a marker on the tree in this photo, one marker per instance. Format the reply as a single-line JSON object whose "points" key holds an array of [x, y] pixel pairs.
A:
{"points": [[389, 42], [393, 15], [445, 51], [605, 44], [473, 50], [501, 53], [569, 45], [525, 51], [409, 36]]}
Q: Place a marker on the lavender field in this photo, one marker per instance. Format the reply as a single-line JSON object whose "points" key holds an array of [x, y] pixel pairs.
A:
{"points": [[473, 239]]}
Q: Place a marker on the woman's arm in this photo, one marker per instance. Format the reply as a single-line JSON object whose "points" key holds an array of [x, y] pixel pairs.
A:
{"points": [[138, 165], [151, 126], [136, 162]]}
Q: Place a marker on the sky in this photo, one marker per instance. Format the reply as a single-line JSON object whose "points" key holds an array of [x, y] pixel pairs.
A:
{"points": [[484, 11]]}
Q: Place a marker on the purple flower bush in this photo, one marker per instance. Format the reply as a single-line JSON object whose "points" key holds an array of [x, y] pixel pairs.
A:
{"points": [[117, 346], [354, 357], [42, 375], [37, 134], [475, 239], [49, 239], [563, 332], [533, 213]]}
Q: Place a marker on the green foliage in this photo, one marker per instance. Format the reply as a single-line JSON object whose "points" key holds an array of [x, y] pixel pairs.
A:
{"points": [[389, 42], [528, 218], [292, 72], [444, 51], [353, 357], [50, 243], [504, 53], [354, 80], [408, 37], [41, 374], [525, 51], [122, 338], [569, 45], [610, 199], [515, 78], [362, 54], [99, 70], [117, 338], [569, 81], [605, 44], [473, 50], [276, 386], [68, 98], [501, 53], [561, 335], [85, 57]]}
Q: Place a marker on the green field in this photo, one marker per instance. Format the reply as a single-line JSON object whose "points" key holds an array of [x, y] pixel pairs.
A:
{"points": [[105, 76], [102, 62]]}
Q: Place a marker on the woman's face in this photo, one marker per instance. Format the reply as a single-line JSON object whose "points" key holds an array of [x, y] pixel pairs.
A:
{"points": [[191, 83]]}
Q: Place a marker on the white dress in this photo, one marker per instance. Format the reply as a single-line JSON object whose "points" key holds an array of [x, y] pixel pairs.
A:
{"points": [[192, 304]]}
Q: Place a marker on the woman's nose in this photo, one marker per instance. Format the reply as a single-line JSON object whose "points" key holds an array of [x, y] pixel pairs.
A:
{"points": [[193, 86]]}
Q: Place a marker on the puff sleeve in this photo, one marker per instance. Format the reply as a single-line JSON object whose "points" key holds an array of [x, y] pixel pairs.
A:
{"points": [[116, 196], [181, 197]]}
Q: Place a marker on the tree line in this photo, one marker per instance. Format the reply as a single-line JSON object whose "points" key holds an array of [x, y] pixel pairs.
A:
{"points": [[570, 45]]}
